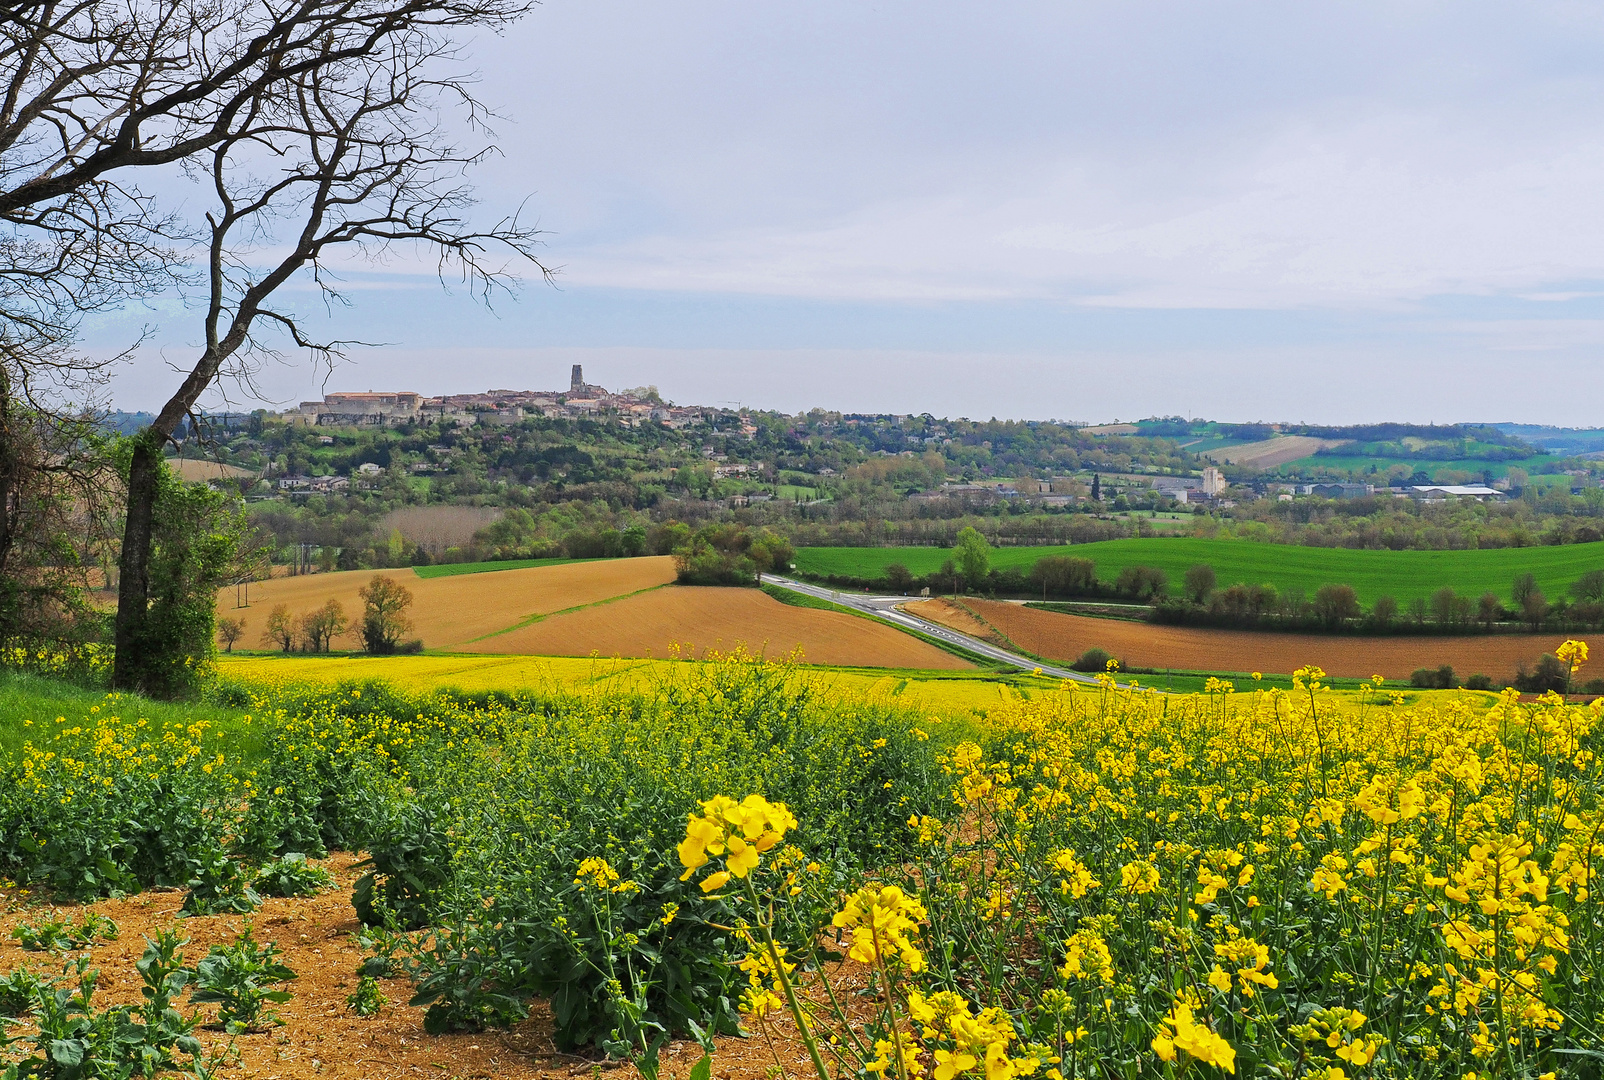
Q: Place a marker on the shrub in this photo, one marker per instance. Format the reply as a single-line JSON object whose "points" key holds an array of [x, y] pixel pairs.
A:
{"points": [[1549, 674], [238, 979], [292, 875], [1442, 678], [72, 1038], [1142, 582], [1478, 682], [411, 865], [59, 936], [1092, 660]]}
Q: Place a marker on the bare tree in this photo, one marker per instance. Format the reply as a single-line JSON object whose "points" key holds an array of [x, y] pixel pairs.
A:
{"points": [[347, 157]]}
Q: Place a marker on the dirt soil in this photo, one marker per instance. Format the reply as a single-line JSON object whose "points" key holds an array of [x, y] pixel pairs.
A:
{"points": [[1062, 637], [455, 609], [1273, 452], [698, 620], [321, 1037]]}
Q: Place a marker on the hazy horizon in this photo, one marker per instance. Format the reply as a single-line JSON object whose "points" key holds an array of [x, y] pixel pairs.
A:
{"points": [[1243, 211]]}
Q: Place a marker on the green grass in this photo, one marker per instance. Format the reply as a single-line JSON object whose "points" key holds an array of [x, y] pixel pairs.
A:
{"points": [[451, 569], [1400, 574], [1360, 463], [30, 704]]}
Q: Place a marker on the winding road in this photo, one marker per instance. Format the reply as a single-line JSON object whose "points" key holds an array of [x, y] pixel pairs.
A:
{"points": [[888, 609]]}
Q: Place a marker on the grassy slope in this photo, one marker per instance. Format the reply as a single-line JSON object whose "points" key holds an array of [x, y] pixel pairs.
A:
{"points": [[30, 705], [1402, 574], [1361, 462], [451, 569]]}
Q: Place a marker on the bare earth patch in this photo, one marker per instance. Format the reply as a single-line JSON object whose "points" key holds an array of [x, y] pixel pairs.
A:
{"points": [[321, 1037], [1064, 637]]}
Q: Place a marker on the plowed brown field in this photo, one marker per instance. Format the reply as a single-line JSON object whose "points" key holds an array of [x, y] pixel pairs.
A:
{"points": [[702, 619], [1056, 636], [456, 609]]}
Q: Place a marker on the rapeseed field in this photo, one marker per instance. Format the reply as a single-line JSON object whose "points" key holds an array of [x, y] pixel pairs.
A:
{"points": [[1066, 883]]}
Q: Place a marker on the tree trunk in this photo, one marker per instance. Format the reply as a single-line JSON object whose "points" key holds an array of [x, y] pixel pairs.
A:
{"points": [[133, 570]]}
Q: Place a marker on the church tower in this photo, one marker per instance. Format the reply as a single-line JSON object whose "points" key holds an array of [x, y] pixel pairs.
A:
{"points": [[577, 383]]}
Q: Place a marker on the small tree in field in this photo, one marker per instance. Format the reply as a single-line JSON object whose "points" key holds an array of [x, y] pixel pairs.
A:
{"points": [[280, 629], [230, 631], [1200, 583], [384, 617], [319, 627], [974, 556]]}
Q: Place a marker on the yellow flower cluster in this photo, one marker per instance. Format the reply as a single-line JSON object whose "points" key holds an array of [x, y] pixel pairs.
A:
{"points": [[1182, 1033], [881, 919], [738, 831]]}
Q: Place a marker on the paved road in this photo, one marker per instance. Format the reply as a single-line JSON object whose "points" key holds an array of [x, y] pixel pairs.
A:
{"points": [[886, 608]]}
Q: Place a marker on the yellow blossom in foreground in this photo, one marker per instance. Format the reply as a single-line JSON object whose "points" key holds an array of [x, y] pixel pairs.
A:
{"points": [[740, 831], [1180, 1033], [881, 920]]}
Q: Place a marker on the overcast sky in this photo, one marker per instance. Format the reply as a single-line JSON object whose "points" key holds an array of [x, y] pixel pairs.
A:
{"points": [[1084, 211]]}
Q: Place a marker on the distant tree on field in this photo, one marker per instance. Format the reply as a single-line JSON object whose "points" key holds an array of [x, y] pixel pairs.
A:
{"points": [[1590, 586], [319, 627], [1142, 582], [1418, 610], [384, 613], [771, 553], [1488, 609], [973, 555], [230, 630], [1442, 605], [1200, 583], [899, 577], [280, 629], [1534, 609], [1336, 604], [1525, 585], [1097, 488], [1383, 611], [1064, 575]]}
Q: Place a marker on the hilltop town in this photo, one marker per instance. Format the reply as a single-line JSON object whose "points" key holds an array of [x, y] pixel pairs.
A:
{"points": [[396, 408]]}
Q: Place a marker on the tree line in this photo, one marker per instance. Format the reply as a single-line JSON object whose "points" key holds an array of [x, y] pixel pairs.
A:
{"points": [[1199, 599]]}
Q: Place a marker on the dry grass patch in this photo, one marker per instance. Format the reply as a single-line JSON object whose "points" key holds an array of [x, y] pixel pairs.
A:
{"points": [[1064, 637], [448, 611], [1276, 451], [699, 620], [200, 470]]}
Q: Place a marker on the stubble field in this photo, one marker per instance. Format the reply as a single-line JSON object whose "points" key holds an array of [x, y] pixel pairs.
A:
{"points": [[610, 607]]}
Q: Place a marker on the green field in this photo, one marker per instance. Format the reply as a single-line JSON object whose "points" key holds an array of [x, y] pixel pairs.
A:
{"points": [[1362, 464], [450, 569], [1400, 574]]}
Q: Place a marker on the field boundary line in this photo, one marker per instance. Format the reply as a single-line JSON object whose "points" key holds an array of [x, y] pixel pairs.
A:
{"points": [[533, 619]]}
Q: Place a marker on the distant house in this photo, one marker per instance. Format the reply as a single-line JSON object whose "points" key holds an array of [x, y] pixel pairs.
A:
{"points": [[1341, 491], [1438, 492]]}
